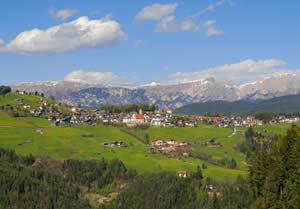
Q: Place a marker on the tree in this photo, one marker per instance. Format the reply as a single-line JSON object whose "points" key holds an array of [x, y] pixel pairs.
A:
{"points": [[233, 164], [198, 174], [216, 203], [147, 138], [52, 97], [4, 90], [79, 105]]}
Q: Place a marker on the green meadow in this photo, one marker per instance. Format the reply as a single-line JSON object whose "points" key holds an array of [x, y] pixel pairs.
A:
{"points": [[36, 135], [69, 142]]}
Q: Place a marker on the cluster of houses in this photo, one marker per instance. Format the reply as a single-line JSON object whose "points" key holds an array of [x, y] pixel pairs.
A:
{"points": [[169, 146], [43, 106], [164, 118], [230, 121]]}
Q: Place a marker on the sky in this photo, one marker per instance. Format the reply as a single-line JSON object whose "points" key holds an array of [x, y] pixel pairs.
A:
{"points": [[136, 42]]}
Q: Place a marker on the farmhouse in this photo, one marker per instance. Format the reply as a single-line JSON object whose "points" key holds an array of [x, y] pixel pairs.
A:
{"points": [[156, 122], [167, 110], [26, 106], [157, 142], [170, 141], [182, 174]]}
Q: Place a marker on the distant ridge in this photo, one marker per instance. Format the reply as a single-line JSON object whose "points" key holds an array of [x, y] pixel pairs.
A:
{"points": [[283, 104], [166, 96]]}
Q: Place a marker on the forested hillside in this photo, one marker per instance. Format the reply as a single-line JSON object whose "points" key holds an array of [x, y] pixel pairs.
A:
{"points": [[30, 182], [284, 104]]}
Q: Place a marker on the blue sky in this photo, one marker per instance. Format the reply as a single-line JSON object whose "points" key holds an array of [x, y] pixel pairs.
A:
{"points": [[129, 43]]}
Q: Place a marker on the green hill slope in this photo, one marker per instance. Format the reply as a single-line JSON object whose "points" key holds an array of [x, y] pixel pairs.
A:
{"points": [[282, 104]]}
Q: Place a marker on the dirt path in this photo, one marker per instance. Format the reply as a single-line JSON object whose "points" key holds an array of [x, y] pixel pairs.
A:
{"points": [[234, 133], [131, 134]]}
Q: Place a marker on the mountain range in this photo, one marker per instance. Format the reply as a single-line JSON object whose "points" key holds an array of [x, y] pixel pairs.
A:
{"points": [[171, 96]]}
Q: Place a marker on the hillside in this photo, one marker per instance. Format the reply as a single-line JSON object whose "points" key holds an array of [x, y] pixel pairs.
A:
{"points": [[36, 135], [283, 104]]}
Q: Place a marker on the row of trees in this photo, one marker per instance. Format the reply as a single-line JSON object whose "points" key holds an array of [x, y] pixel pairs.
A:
{"points": [[224, 162], [128, 108]]}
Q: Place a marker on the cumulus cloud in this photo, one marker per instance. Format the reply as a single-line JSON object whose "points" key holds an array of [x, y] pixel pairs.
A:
{"points": [[168, 25], [104, 78], [239, 73], [78, 34], [139, 43], [156, 11], [62, 14]]}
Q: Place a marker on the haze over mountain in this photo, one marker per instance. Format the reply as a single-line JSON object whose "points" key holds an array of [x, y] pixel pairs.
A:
{"points": [[172, 96]]}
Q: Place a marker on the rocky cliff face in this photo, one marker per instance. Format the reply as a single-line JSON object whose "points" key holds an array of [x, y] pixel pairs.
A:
{"points": [[172, 96], [288, 84]]}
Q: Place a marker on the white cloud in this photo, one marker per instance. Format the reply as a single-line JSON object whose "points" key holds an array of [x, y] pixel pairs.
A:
{"points": [[1, 41], [221, 2], [212, 31], [62, 14], [156, 11], [240, 73], [211, 8], [203, 11], [78, 34], [139, 43], [167, 25], [104, 78], [209, 23]]}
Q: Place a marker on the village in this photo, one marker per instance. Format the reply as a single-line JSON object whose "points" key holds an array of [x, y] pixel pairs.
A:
{"points": [[159, 118]]}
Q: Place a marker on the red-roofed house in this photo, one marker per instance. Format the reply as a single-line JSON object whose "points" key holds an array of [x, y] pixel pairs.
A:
{"points": [[182, 174], [167, 110], [216, 119], [139, 119]]}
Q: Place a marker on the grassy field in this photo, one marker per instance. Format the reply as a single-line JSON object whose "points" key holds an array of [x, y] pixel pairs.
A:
{"points": [[279, 129], [196, 135], [29, 122], [64, 143], [37, 136], [188, 134]]}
